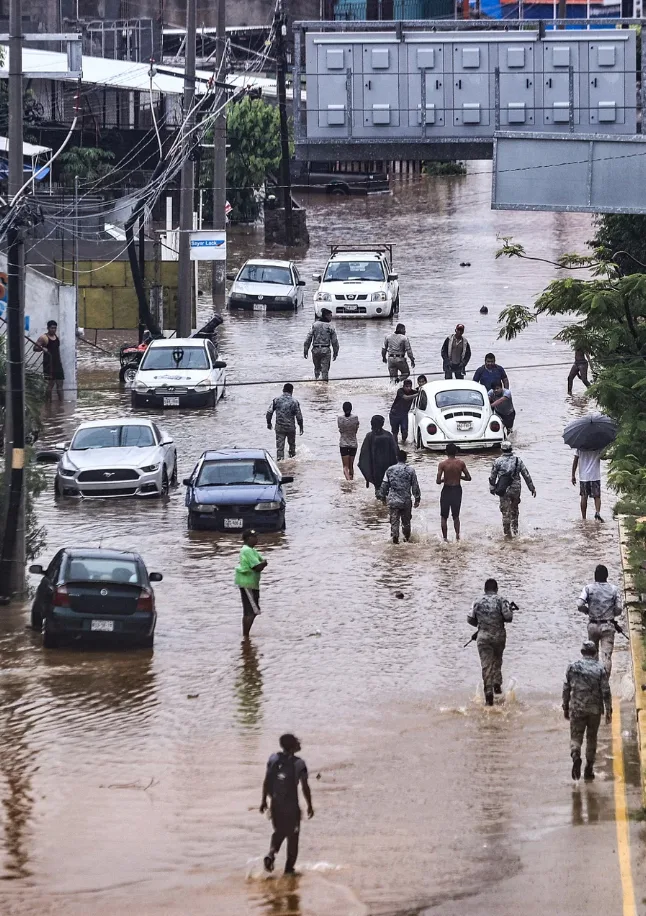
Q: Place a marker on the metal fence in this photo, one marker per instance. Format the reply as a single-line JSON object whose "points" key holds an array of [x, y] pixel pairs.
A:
{"points": [[385, 10]]}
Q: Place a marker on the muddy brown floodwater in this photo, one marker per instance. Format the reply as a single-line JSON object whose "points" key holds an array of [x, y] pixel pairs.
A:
{"points": [[130, 781]]}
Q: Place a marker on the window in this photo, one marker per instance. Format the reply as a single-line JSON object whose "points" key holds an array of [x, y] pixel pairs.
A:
{"points": [[112, 437], [459, 398], [212, 352], [175, 358], [234, 473], [354, 270], [52, 570], [265, 273], [102, 569]]}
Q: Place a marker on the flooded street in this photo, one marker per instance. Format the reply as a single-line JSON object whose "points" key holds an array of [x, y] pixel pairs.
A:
{"points": [[130, 781]]}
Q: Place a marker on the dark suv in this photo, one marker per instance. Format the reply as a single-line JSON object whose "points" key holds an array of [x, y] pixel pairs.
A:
{"points": [[332, 178]]}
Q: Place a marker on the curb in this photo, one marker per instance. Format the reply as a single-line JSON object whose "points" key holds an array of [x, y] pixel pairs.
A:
{"points": [[636, 632]]}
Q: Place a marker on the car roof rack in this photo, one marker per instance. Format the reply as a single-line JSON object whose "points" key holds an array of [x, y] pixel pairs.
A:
{"points": [[382, 248]]}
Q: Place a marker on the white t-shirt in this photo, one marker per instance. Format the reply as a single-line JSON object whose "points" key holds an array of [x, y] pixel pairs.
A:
{"points": [[589, 465]]}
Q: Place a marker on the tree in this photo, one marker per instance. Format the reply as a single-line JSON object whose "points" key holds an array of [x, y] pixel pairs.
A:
{"points": [[35, 479], [611, 327], [88, 162], [622, 239]]}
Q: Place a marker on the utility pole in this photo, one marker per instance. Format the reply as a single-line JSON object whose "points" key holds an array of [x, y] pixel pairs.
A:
{"points": [[281, 68], [12, 553], [219, 268], [185, 283], [562, 11]]}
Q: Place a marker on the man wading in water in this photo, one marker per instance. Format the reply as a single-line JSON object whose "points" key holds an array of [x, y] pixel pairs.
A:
{"points": [[284, 773], [450, 472], [49, 345]]}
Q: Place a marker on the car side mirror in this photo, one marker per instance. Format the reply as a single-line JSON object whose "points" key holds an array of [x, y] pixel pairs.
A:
{"points": [[316, 277], [219, 364], [393, 277], [287, 480], [37, 569], [187, 482], [232, 274], [166, 442], [301, 282], [155, 577], [63, 446]]}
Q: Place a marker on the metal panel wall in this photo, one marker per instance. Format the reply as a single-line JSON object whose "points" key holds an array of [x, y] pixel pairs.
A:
{"points": [[587, 173], [459, 85]]}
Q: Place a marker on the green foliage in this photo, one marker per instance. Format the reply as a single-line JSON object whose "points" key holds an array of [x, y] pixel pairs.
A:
{"points": [[35, 479], [253, 135], [88, 162], [444, 168], [610, 326], [621, 238]]}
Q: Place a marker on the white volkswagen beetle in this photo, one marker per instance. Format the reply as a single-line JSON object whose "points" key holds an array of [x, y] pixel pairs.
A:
{"points": [[454, 411]]}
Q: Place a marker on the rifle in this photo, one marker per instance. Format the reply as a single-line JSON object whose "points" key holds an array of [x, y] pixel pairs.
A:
{"points": [[620, 629], [512, 606]]}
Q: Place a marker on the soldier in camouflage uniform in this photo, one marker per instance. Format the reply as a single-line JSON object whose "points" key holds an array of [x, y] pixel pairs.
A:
{"points": [[602, 602], [288, 413], [397, 347], [490, 614], [508, 463], [399, 482], [325, 344], [586, 693]]}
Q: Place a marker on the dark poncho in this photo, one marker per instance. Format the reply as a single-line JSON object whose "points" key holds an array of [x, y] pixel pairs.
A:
{"points": [[378, 453]]}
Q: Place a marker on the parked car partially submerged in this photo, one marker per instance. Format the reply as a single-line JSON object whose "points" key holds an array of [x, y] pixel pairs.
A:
{"points": [[95, 593], [179, 372], [231, 489], [262, 285], [454, 411]]}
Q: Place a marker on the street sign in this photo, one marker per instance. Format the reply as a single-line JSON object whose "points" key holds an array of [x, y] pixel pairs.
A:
{"points": [[208, 245]]}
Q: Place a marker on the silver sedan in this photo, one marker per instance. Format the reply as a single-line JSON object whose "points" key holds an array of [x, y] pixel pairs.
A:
{"points": [[117, 458]]}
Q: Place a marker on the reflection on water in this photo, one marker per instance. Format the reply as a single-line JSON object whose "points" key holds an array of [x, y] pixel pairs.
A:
{"points": [[408, 795], [248, 686]]}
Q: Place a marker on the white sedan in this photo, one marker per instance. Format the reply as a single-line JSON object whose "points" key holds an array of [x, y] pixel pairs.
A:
{"points": [[454, 411], [117, 458]]}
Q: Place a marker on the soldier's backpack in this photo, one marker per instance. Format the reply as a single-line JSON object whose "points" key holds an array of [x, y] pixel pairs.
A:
{"points": [[283, 784], [505, 481]]}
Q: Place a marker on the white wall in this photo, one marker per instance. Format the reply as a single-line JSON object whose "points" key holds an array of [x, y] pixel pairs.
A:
{"points": [[46, 300]]}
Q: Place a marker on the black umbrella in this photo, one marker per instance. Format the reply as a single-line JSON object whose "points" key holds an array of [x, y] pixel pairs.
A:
{"points": [[591, 433]]}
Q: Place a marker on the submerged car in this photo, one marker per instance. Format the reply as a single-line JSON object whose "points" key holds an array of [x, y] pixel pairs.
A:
{"points": [[96, 594], [454, 411], [124, 457], [231, 489], [179, 372], [267, 286], [358, 282]]}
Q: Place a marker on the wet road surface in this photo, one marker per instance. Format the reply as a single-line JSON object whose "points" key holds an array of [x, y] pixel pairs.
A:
{"points": [[130, 781]]}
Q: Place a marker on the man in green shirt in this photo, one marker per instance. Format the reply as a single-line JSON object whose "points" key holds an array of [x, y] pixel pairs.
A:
{"points": [[247, 578]]}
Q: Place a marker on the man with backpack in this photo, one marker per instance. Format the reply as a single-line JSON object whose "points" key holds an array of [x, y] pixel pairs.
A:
{"points": [[504, 482], [489, 614], [284, 773]]}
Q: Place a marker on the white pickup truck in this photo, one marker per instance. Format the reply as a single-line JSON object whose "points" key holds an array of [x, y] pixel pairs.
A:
{"points": [[358, 282]]}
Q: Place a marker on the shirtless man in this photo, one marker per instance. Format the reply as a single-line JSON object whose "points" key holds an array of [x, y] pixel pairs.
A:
{"points": [[450, 472]]}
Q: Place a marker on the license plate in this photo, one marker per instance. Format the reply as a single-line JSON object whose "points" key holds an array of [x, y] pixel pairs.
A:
{"points": [[233, 523], [171, 402], [102, 626], [352, 308], [259, 307], [464, 425]]}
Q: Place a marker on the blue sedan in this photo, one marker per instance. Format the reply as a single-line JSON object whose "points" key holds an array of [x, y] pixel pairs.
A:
{"points": [[232, 489]]}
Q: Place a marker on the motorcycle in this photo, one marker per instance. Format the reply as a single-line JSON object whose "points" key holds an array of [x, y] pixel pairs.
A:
{"points": [[130, 357]]}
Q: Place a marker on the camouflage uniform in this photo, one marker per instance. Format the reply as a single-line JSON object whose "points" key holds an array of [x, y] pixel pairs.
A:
{"points": [[397, 347], [585, 694], [400, 480], [324, 341], [489, 615], [601, 601], [288, 411], [510, 502]]}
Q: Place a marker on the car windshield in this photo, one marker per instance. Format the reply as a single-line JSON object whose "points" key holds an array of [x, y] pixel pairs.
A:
{"points": [[232, 473], [353, 270], [103, 569], [459, 397], [112, 437], [175, 358], [264, 273]]}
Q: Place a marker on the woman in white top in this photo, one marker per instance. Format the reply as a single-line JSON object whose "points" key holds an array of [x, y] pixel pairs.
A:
{"points": [[348, 426]]}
